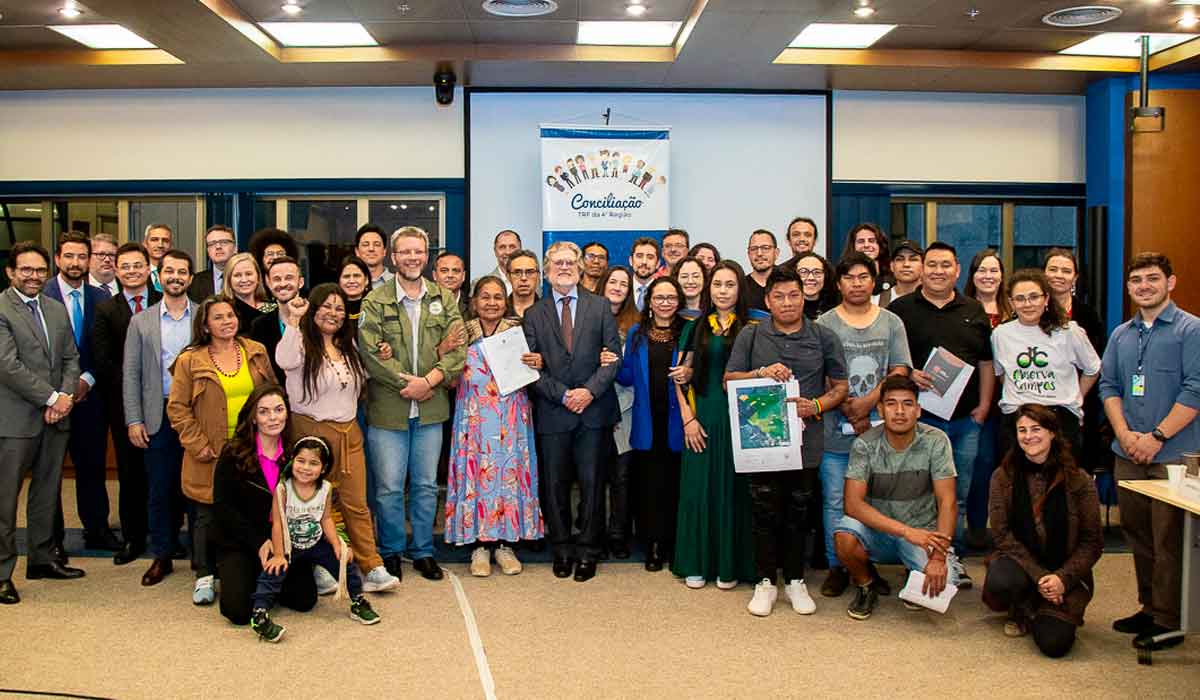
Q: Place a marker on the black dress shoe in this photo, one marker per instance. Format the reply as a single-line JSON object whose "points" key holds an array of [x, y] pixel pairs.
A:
{"points": [[654, 557], [428, 568], [58, 554], [52, 570], [562, 567], [619, 548], [127, 553], [585, 570], [8, 593], [1136, 623], [395, 566], [1145, 640], [159, 570], [103, 540]]}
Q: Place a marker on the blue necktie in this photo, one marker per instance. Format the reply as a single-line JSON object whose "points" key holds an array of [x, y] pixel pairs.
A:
{"points": [[640, 293], [77, 318]]}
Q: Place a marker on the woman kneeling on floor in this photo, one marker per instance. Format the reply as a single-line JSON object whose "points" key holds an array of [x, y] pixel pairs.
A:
{"points": [[1045, 520]]}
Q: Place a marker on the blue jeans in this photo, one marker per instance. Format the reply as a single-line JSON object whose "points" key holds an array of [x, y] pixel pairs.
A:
{"points": [[985, 464], [833, 491], [883, 548], [395, 455], [163, 459], [964, 443]]}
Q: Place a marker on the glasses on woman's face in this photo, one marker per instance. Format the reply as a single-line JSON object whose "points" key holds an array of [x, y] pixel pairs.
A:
{"points": [[664, 299], [815, 274], [1024, 299]]}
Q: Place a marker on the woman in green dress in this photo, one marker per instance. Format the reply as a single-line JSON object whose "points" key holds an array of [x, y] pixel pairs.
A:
{"points": [[713, 528]]}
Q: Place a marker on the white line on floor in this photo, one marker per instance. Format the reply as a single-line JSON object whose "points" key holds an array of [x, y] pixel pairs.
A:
{"points": [[481, 662]]}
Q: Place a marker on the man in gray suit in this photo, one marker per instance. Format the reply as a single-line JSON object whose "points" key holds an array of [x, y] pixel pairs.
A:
{"points": [[576, 406], [39, 372], [153, 341]]}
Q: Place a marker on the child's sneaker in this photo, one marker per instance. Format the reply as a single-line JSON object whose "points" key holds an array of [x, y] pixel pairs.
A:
{"points": [[361, 611], [266, 630]]}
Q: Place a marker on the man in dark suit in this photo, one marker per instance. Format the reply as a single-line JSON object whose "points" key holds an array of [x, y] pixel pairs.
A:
{"points": [[39, 371], [285, 281], [88, 444], [221, 244], [108, 348], [576, 407]]}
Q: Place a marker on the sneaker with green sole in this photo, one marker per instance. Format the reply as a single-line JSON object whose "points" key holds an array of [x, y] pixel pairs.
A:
{"points": [[361, 611], [265, 628]]}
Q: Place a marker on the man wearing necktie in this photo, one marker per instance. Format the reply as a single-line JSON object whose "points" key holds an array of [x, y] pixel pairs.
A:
{"points": [[576, 407], [88, 443], [39, 372], [102, 264], [108, 348], [643, 260]]}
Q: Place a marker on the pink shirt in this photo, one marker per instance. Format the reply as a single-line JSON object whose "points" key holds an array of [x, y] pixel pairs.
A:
{"points": [[331, 400], [270, 464]]}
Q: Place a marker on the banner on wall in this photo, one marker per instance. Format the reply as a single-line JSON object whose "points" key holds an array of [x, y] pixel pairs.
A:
{"points": [[607, 184]]}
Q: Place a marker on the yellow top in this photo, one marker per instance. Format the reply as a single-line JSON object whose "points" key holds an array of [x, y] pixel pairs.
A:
{"points": [[237, 389]]}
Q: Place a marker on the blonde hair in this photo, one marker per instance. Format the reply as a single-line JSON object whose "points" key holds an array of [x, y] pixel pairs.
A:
{"points": [[562, 245], [260, 292], [408, 232]]}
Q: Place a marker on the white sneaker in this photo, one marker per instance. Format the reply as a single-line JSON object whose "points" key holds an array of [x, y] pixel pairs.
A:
{"points": [[481, 562], [695, 581], [326, 583], [507, 559], [765, 594], [203, 593], [797, 592], [379, 580], [726, 585]]}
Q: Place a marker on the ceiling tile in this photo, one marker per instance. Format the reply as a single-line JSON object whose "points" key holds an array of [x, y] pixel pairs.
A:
{"points": [[43, 12], [930, 38], [27, 37], [525, 32], [658, 10], [400, 33]]}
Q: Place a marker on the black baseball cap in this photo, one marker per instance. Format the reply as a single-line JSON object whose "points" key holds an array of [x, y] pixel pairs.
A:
{"points": [[910, 245]]}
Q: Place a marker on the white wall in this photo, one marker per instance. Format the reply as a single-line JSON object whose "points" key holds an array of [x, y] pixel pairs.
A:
{"points": [[957, 137], [229, 134], [738, 162]]}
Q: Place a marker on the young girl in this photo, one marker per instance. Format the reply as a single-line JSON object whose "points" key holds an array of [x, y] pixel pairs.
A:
{"points": [[302, 531]]}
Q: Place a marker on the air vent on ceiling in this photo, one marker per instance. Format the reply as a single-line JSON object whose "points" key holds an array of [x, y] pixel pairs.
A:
{"points": [[520, 8], [1083, 16]]}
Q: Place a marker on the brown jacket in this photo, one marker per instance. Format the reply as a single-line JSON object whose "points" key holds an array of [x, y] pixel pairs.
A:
{"points": [[196, 408], [1085, 539]]}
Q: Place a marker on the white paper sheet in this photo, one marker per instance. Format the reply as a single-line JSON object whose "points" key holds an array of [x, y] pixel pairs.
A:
{"points": [[913, 594], [503, 354], [943, 398], [767, 439]]}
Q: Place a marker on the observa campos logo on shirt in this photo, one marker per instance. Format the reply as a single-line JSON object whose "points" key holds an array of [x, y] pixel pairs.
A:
{"points": [[435, 307], [1030, 376]]}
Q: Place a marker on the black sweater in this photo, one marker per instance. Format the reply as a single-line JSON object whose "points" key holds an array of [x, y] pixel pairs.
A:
{"points": [[241, 507]]}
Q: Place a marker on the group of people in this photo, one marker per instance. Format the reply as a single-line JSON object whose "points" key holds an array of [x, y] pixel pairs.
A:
{"points": [[260, 410]]}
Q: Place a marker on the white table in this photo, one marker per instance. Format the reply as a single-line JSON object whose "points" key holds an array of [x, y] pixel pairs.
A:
{"points": [[1189, 608]]}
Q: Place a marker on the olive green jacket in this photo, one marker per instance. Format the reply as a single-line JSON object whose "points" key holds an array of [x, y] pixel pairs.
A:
{"points": [[384, 319]]}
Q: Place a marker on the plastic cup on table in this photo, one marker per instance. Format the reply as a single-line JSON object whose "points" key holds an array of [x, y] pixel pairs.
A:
{"points": [[1175, 476]]}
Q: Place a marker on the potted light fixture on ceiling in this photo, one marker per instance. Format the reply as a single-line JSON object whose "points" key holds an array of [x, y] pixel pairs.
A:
{"points": [[519, 8], [1082, 16]]}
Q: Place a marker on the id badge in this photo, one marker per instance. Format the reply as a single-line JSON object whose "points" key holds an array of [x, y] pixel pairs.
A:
{"points": [[1137, 385]]}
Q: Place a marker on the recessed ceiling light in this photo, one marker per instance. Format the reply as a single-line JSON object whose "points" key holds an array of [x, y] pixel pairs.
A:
{"points": [[864, 9], [1124, 44], [70, 11], [620, 33], [840, 36], [432, 208], [290, 7], [394, 207], [1189, 21], [103, 36], [404, 206], [319, 33], [635, 9]]}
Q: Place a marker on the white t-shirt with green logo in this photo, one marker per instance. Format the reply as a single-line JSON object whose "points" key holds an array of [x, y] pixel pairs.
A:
{"points": [[1039, 368]]}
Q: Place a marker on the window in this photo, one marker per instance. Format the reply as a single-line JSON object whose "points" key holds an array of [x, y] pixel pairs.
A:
{"points": [[1037, 228], [425, 214], [970, 228]]}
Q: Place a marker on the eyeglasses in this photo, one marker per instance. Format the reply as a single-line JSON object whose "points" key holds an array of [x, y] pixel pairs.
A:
{"points": [[1028, 299], [760, 249], [662, 300], [564, 264], [26, 271], [523, 273], [106, 256], [595, 257], [220, 243], [810, 273]]}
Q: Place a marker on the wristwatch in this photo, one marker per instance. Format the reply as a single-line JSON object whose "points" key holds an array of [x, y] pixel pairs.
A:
{"points": [[1158, 435]]}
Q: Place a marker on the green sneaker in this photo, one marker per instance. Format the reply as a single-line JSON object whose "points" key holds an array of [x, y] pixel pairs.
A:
{"points": [[266, 630], [361, 611]]}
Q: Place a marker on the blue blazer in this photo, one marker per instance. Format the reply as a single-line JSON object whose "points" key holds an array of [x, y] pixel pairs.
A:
{"points": [[635, 371], [92, 296]]}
